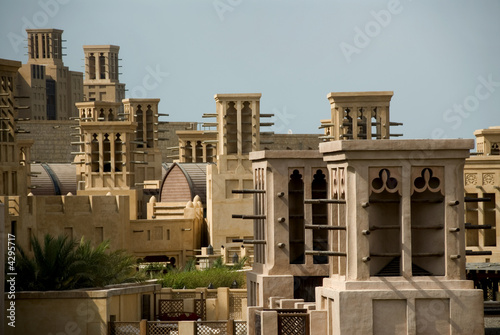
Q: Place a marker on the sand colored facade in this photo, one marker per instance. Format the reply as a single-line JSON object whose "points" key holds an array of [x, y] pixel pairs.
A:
{"points": [[119, 150], [102, 74], [14, 154], [359, 116], [80, 311], [130, 309], [404, 240], [196, 146], [106, 217], [238, 133], [396, 243], [49, 89], [287, 232], [361, 227], [482, 180], [118, 172]]}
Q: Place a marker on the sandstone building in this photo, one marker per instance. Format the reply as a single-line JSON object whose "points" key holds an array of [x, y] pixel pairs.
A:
{"points": [[482, 181], [395, 241], [49, 89], [101, 81]]}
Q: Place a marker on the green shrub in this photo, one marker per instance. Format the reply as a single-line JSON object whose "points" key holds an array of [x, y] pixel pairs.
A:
{"points": [[218, 275]]}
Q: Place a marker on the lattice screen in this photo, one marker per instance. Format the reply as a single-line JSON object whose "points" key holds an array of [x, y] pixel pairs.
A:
{"points": [[210, 328], [198, 309], [124, 328], [171, 306], [235, 306], [292, 324], [163, 328], [240, 327]]}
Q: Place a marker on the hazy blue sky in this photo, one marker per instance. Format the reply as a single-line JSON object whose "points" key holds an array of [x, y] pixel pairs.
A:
{"points": [[440, 57]]}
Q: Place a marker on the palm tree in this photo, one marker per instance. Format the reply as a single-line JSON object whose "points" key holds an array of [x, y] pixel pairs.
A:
{"points": [[106, 268], [63, 264], [54, 265]]}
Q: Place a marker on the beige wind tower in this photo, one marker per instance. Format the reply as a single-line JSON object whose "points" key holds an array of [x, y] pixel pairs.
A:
{"points": [[238, 133], [290, 226], [45, 47], [196, 146], [102, 74], [400, 267], [482, 187], [48, 87], [119, 151], [359, 116], [147, 156], [14, 153]]}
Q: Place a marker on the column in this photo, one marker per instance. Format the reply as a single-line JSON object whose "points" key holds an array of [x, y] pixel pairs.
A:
{"points": [[367, 114], [204, 150], [354, 119], [239, 129], [256, 129]]}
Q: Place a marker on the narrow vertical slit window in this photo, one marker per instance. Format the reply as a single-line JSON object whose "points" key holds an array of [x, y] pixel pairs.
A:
{"points": [[92, 67], [94, 153], [427, 223], [106, 154], [231, 128], [489, 211], [296, 218], [118, 153], [102, 66], [320, 216]]}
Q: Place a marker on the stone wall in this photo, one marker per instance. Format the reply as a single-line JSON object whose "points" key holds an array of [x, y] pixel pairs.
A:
{"points": [[293, 142], [53, 138]]}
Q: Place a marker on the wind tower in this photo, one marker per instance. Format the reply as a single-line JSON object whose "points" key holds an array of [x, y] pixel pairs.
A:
{"points": [[359, 116], [238, 123], [102, 74], [14, 153], [119, 151], [52, 89]]}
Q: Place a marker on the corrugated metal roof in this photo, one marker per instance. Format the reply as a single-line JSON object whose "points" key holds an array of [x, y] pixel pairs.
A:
{"points": [[60, 179], [53, 179], [66, 174], [42, 184], [175, 187], [164, 168], [195, 175]]}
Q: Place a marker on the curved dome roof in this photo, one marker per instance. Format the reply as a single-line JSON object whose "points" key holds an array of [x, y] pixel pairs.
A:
{"points": [[60, 179], [183, 181], [53, 179]]}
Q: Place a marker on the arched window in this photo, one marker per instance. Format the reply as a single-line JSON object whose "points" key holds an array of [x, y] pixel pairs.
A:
{"points": [[102, 66], [94, 153], [92, 66], [106, 154], [296, 218], [495, 149], [118, 153]]}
